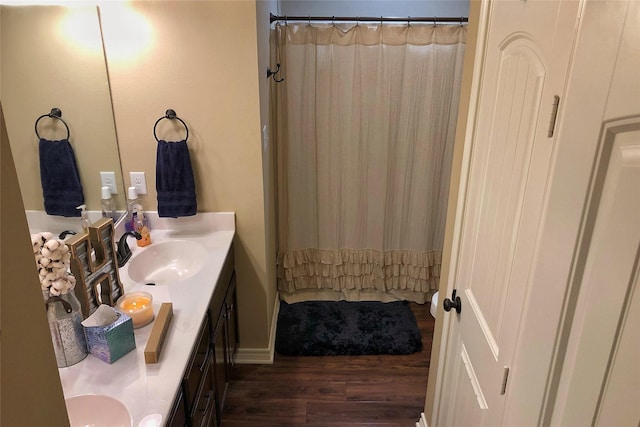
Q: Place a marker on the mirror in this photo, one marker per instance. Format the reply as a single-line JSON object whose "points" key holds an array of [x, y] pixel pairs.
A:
{"points": [[53, 56]]}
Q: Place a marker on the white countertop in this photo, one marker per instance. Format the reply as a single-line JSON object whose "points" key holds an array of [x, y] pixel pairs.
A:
{"points": [[148, 390]]}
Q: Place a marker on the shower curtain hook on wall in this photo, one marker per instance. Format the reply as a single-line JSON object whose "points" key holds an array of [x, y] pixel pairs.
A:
{"points": [[272, 74]]}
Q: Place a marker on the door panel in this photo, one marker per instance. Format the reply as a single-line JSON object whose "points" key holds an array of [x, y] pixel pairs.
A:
{"points": [[471, 405], [499, 184], [526, 57]]}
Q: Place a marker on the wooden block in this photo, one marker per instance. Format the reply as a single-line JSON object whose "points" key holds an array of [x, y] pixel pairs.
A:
{"points": [[158, 333]]}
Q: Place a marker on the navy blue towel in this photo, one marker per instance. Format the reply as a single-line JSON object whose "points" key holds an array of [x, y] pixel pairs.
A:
{"points": [[174, 180], [61, 187]]}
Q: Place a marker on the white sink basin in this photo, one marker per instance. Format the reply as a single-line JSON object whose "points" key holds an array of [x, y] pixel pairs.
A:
{"points": [[97, 411], [168, 262]]}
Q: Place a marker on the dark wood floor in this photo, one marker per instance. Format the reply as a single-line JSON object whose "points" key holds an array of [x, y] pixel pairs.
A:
{"points": [[336, 391]]}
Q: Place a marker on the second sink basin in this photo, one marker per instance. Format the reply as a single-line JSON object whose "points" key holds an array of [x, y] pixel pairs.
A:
{"points": [[97, 411], [168, 262]]}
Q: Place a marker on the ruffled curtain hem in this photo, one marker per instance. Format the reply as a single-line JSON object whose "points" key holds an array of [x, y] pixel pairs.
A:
{"points": [[354, 295], [359, 270]]}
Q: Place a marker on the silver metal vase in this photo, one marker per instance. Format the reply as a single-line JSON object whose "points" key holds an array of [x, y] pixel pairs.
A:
{"points": [[65, 317]]}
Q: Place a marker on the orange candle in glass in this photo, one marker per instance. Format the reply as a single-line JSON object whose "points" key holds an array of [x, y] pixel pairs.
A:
{"points": [[138, 306]]}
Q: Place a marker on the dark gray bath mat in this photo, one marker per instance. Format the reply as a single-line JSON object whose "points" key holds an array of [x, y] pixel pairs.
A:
{"points": [[329, 328]]}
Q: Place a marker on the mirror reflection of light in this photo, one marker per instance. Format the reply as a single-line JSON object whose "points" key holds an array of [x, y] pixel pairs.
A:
{"points": [[125, 31], [80, 28]]}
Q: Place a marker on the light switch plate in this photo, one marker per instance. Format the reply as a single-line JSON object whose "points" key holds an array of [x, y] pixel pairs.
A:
{"points": [[108, 179], [138, 181]]}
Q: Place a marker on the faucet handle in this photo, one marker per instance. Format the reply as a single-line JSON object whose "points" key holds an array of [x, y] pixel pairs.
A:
{"points": [[65, 233]]}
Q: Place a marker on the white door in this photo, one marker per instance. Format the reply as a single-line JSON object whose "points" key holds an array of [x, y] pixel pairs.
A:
{"points": [[569, 315], [524, 58]]}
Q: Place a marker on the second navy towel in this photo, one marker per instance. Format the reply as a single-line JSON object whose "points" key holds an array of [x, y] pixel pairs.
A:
{"points": [[174, 180]]}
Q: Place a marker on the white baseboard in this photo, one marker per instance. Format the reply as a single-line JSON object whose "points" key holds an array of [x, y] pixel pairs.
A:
{"points": [[261, 356], [422, 422], [254, 356]]}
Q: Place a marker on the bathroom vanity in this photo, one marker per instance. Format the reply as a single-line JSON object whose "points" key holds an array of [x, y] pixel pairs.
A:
{"points": [[188, 384], [200, 399]]}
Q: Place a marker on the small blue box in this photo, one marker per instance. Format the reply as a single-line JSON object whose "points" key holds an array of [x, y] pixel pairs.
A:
{"points": [[109, 343]]}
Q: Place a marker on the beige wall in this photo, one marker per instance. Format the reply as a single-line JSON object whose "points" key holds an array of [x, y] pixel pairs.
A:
{"points": [[205, 59], [465, 95], [52, 57], [31, 392], [200, 59]]}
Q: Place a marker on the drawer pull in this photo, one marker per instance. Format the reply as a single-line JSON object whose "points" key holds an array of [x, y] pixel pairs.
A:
{"points": [[203, 367], [208, 401]]}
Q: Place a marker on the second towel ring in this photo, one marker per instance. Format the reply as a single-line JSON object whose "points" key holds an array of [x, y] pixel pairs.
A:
{"points": [[170, 114], [55, 113]]}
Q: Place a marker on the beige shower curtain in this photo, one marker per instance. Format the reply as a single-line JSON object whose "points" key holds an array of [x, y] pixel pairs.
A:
{"points": [[364, 125]]}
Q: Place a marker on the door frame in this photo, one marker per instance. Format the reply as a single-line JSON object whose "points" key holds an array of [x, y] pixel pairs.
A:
{"points": [[573, 323]]}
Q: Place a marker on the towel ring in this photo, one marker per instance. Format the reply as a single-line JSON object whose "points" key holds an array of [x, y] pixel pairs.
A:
{"points": [[170, 114], [55, 113]]}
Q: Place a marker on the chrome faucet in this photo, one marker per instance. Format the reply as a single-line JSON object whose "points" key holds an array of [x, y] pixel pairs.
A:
{"points": [[124, 252]]}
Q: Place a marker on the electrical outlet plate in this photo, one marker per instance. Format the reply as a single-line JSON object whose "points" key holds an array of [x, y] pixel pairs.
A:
{"points": [[108, 179], [138, 181]]}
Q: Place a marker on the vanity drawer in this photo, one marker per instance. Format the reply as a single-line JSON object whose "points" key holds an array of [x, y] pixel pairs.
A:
{"points": [[204, 405], [178, 415], [208, 372], [198, 366]]}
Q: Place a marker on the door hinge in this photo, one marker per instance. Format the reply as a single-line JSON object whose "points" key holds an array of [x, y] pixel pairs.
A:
{"points": [[505, 377], [554, 116]]}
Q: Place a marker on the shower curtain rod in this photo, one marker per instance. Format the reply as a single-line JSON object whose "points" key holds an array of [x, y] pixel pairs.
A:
{"points": [[409, 19]]}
